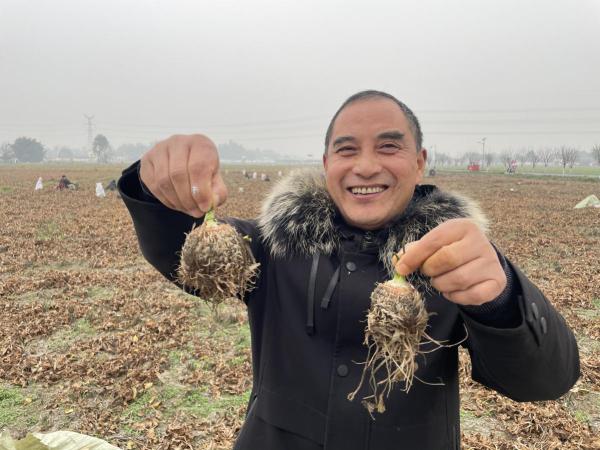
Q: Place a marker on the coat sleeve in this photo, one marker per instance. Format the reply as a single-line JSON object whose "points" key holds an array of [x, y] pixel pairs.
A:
{"points": [[537, 360], [161, 231]]}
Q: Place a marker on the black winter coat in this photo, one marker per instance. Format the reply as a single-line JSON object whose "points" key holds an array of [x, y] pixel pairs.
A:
{"points": [[308, 331]]}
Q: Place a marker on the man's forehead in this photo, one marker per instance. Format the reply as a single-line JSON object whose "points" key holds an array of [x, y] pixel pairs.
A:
{"points": [[371, 112]]}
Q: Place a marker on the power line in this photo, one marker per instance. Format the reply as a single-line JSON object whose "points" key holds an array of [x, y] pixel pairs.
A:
{"points": [[515, 133], [505, 111]]}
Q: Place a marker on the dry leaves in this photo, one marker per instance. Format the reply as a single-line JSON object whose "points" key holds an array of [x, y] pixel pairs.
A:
{"points": [[95, 341]]}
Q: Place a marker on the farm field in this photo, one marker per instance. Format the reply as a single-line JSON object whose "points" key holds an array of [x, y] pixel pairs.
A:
{"points": [[93, 340]]}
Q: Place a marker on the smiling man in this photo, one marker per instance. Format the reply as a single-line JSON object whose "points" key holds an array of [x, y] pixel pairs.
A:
{"points": [[372, 161], [323, 241]]}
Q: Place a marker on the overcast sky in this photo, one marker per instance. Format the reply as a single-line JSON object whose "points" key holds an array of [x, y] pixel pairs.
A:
{"points": [[270, 74]]}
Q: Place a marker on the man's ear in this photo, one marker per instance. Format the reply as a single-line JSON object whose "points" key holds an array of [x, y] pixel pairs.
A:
{"points": [[325, 160], [421, 164]]}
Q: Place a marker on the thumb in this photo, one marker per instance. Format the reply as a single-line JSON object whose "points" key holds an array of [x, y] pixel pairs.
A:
{"points": [[399, 265]]}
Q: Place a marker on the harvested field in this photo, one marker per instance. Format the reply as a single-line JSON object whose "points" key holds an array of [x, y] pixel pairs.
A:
{"points": [[93, 340]]}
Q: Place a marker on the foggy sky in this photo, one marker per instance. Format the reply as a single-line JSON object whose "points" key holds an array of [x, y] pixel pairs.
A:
{"points": [[270, 74]]}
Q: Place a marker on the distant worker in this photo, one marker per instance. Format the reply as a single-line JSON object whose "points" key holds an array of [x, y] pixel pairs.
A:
{"points": [[65, 183], [112, 186]]}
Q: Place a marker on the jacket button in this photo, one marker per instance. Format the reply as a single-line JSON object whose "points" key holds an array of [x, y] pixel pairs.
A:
{"points": [[342, 370], [535, 310], [350, 266], [544, 325]]}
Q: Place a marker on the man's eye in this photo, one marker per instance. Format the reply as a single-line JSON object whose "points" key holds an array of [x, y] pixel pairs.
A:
{"points": [[345, 150], [390, 147]]}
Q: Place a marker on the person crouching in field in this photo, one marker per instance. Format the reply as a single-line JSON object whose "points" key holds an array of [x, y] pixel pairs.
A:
{"points": [[323, 243], [65, 183]]}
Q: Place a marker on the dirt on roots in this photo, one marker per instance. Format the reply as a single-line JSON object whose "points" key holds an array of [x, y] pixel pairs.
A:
{"points": [[94, 340]]}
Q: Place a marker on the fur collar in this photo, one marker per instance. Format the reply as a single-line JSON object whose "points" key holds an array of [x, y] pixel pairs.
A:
{"points": [[299, 218]]}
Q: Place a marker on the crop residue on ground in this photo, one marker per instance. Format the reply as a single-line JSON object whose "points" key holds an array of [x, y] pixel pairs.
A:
{"points": [[93, 340]]}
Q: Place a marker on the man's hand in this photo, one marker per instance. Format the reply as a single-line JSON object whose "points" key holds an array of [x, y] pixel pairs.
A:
{"points": [[460, 260], [183, 173]]}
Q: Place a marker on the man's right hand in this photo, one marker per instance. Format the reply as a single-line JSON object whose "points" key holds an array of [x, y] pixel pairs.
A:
{"points": [[182, 172]]}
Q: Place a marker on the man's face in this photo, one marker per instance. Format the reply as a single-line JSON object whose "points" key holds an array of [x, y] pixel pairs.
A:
{"points": [[372, 165]]}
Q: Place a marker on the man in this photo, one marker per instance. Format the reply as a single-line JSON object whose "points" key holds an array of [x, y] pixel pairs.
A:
{"points": [[322, 245]]}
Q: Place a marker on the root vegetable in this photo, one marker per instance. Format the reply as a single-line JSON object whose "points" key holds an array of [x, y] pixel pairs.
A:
{"points": [[216, 262], [396, 325]]}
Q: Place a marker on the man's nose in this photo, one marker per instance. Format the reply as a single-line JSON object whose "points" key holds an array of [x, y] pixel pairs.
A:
{"points": [[366, 165]]}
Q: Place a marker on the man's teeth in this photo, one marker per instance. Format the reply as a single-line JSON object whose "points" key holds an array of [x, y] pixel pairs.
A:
{"points": [[367, 190]]}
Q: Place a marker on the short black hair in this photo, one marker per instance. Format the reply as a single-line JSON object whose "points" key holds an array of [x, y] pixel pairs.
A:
{"points": [[413, 122]]}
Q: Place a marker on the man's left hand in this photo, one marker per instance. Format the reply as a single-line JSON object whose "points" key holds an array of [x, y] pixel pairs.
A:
{"points": [[461, 261]]}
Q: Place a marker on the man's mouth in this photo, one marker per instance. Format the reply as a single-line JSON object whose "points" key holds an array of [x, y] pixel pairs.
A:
{"points": [[367, 190]]}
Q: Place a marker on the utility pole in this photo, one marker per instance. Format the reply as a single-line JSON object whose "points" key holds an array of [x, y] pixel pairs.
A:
{"points": [[482, 142], [90, 128]]}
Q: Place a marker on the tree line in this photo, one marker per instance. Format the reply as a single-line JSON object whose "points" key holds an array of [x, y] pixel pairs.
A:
{"points": [[564, 155], [29, 150]]}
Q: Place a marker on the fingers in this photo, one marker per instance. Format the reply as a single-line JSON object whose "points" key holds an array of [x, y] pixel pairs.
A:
{"points": [[416, 253], [219, 190], [183, 173], [202, 166], [450, 257], [462, 277], [150, 174], [477, 294], [179, 177], [460, 261]]}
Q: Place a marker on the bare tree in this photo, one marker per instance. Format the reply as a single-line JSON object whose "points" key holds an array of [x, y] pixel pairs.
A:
{"points": [[546, 155], [568, 156], [533, 158], [573, 158], [596, 153], [489, 159], [521, 156], [443, 159], [573, 155], [506, 158]]}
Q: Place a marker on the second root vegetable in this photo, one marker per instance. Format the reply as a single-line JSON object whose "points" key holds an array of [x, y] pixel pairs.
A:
{"points": [[396, 325]]}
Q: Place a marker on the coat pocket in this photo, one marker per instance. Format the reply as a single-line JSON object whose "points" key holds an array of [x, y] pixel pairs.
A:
{"points": [[290, 415]]}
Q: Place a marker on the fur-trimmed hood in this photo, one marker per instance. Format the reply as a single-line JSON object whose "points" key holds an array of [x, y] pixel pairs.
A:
{"points": [[299, 218]]}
